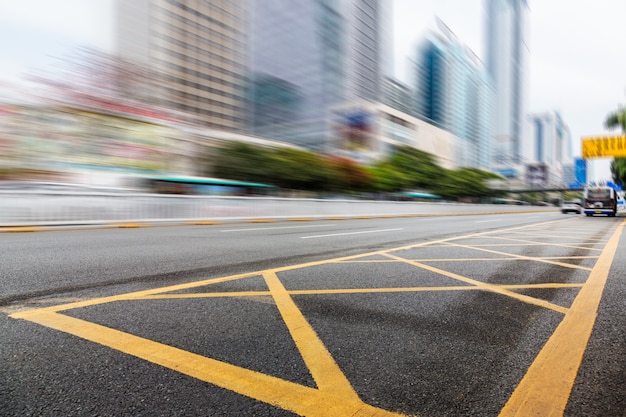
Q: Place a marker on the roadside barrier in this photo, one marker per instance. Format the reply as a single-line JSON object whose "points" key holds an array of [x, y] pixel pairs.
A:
{"points": [[28, 208]]}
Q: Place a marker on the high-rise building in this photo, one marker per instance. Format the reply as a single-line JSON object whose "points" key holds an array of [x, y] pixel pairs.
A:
{"points": [[453, 92], [398, 95], [367, 36], [306, 57], [197, 50], [507, 62], [550, 144]]}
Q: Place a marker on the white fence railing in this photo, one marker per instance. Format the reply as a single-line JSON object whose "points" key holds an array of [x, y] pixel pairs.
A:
{"points": [[19, 208]]}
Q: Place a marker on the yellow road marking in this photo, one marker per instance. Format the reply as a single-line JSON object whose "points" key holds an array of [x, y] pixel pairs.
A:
{"points": [[546, 387], [251, 294], [334, 395], [136, 295], [488, 287], [287, 395], [323, 368], [128, 225], [529, 258], [22, 229], [562, 245], [495, 258]]}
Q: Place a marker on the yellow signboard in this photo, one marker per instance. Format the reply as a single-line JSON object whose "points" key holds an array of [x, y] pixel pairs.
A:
{"points": [[604, 146]]}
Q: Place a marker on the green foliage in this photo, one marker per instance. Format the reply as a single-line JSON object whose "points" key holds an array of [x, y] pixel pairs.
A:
{"points": [[418, 168], [387, 178], [466, 182], [349, 176], [284, 167], [616, 119], [618, 171], [618, 165], [240, 161], [406, 169], [300, 170]]}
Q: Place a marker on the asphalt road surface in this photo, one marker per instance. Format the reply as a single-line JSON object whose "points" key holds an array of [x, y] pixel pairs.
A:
{"points": [[516, 314]]}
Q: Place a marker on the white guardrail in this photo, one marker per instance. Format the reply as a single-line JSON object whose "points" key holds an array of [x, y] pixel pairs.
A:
{"points": [[22, 208]]}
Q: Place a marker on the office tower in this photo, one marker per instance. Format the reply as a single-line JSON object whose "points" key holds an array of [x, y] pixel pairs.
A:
{"points": [[507, 62], [198, 51], [367, 28], [453, 92], [308, 56], [398, 95], [550, 144]]}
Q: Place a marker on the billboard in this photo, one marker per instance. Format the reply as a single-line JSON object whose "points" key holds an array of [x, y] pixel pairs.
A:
{"points": [[604, 146], [537, 175], [354, 128]]}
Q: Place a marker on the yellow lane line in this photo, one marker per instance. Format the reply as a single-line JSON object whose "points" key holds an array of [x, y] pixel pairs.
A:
{"points": [[22, 229], [563, 245], [507, 245], [178, 287], [488, 287], [137, 295], [287, 395], [529, 258], [546, 387], [252, 294], [323, 367], [427, 289], [335, 395], [495, 258], [204, 295]]}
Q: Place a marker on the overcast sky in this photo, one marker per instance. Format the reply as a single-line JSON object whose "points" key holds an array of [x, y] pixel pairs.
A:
{"points": [[577, 47]]}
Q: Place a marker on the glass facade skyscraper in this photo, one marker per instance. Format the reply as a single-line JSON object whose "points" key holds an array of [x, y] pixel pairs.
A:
{"points": [[551, 141], [507, 60], [453, 92], [307, 56]]}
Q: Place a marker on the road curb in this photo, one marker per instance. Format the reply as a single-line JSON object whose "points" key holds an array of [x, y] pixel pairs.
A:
{"points": [[208, 222]]}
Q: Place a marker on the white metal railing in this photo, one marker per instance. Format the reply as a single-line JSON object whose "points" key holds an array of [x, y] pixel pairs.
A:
{"points": [[54, 208]]}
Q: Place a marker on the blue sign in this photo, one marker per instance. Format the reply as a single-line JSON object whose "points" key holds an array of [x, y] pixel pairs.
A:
{"points": [[581, 170], [614, 186]]}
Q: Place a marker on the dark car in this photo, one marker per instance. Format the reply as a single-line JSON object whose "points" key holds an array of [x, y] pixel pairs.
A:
{"points": [[571, 206]]}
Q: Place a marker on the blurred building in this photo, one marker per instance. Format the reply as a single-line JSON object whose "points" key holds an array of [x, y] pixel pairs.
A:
{"points": [[54, 141], [368, 132], [398, 95], [197, 51], [105, 143], [453, 92], [309, 55], [550, 146], [507, 64]]}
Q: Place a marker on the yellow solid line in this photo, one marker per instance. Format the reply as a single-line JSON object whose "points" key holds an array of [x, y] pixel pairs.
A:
{"points": [[135, 295], [21, 229], [287, 395], [488, 287], [529, 258], [252, 294], [546, 387], [323, 367], [563, 245]]}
